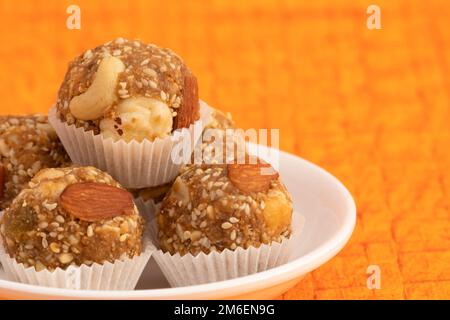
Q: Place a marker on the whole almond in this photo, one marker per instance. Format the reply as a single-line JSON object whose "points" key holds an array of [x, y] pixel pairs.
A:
{"points": [[252, 177], [188, 112], [92, 201]]}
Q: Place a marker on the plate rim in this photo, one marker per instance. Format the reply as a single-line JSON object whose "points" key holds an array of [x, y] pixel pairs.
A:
{"points": [[246, 284]]}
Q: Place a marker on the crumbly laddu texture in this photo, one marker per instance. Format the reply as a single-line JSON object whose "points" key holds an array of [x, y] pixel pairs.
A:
{"points": [[27, 144], [219, 122], [154, 93], [205, 212], [37, 231]]}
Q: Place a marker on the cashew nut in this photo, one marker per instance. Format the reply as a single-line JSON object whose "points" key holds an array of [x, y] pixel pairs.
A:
{"points": [[277, 212], [141, 118], [93, 103]]}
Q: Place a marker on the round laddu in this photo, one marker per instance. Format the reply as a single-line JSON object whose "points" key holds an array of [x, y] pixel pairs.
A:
{"points": [[205, 211], [71, 216], [129, 90], [27, 145]]}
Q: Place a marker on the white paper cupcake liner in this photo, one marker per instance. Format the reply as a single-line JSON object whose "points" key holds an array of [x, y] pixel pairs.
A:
{"points": [[206, 268], [133, 164], [147, 208], [120, 275]]}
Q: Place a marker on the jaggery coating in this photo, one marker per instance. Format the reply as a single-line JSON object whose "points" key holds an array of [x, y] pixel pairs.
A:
{"points": [[220, 120], [37, 231], [205, 212], [126, 89], [27, 144], [205, 152]]}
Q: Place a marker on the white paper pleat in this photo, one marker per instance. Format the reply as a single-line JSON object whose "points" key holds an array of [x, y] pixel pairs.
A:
{"points": [[147, 208], [218, 266], [133, 164], [120, 275]]}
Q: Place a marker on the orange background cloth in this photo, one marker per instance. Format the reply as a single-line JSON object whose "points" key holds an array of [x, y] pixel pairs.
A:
{"points": [[370, 106]]}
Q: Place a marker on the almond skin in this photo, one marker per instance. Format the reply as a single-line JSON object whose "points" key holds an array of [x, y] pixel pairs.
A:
{"points": [[92, 201], [252, 177], [188, 112]]}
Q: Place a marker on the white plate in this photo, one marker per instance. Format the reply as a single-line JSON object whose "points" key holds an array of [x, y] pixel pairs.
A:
{"points": [[329, 218]]}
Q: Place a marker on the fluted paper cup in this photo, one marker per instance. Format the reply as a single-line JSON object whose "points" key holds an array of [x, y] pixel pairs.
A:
{"points": [[134, 164], [121, 275], [147, 208], [203, 268]]}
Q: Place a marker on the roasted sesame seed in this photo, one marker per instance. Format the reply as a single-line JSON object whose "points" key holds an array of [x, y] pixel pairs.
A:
{"points": [[226, 225]]}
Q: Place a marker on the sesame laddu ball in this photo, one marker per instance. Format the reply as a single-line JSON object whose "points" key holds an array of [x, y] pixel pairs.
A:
{"points": [[71, 216], [217, 207], [27, 144], [129, 90], [219, 123], [220, 120]]}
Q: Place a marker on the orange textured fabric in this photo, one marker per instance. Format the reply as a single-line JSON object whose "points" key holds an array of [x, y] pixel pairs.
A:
{"points": [[370, 106]]}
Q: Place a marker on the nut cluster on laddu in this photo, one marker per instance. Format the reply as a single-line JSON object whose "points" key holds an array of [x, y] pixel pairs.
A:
{"points": [[93, 187]]}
